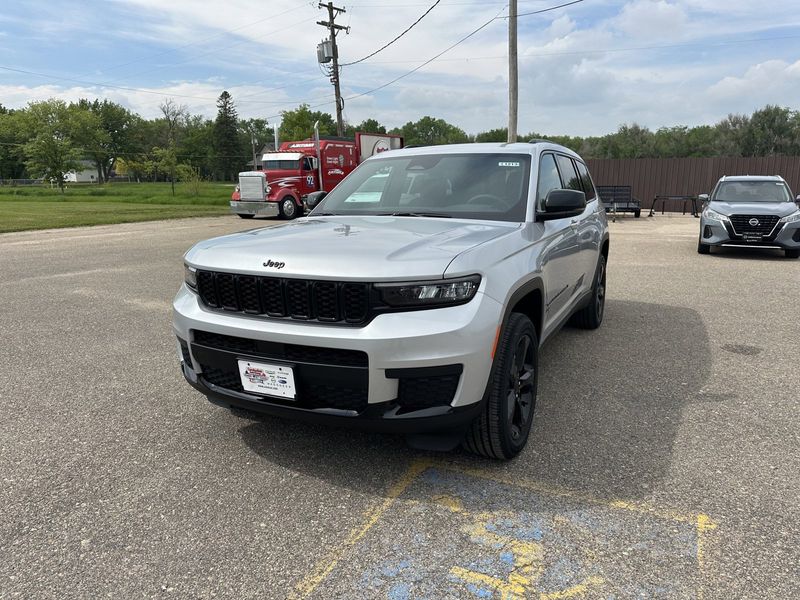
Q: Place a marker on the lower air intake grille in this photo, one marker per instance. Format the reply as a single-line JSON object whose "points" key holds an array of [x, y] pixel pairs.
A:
{"points": [[424, 392]]}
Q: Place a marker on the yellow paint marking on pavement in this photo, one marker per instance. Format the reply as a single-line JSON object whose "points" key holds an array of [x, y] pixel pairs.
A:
{"points": [[528, 558], [450, 502], [508, 590], [704, 524], [310, 582], [637, 507], [575, 591]]}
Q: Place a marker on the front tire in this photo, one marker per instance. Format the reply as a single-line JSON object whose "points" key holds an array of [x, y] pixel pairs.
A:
{"points": [[288, 208], [703, 248], [502, 430], [591, 316], [795, 253]]}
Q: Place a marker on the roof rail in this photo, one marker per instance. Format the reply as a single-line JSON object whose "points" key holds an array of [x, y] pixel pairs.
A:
{"points": [[540, 141]]}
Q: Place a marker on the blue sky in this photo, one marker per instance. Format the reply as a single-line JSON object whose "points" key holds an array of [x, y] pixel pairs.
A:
{"points": [[584, 69]]}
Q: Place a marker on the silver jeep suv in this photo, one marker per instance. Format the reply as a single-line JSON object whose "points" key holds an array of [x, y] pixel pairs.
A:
{"points": [[752, 212], [413, 299]]}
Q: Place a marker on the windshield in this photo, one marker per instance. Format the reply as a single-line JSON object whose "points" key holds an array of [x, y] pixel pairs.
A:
{"points": [[466, 186], [281, 165], [752, 191]]}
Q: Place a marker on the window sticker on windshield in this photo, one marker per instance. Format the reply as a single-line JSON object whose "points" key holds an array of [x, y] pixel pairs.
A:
{"points": [[508, 164]]}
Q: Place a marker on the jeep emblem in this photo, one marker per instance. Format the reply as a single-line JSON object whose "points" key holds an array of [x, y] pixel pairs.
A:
{"points": [[273, 264], [753, 222]]}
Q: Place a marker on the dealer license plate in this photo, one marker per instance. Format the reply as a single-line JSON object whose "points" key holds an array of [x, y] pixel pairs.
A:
{"points": [[266, 379], [751, 237]]}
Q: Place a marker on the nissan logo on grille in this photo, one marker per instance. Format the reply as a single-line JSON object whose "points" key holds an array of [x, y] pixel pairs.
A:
{"points": [[754, 222], [276, 265]]}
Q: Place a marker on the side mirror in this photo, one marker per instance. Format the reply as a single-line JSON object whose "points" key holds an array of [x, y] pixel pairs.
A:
{"points": [[797, 198], [315, 198], [703, 197], [560, 204]]}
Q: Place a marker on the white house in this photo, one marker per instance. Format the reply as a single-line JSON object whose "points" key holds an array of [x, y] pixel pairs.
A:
{"points": [[87, 173]]}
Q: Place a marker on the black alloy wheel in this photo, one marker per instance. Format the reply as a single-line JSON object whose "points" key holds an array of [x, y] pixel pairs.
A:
{"points": [[591, 316], [502, 429], [521, 377]]}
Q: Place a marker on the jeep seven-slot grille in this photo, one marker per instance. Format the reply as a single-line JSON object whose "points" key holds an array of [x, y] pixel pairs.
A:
{"points": [[764, 226], [302, 299]]}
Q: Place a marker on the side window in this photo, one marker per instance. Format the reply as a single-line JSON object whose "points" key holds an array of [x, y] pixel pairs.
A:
{"points": [[307, 166], [548, 179], [586, 179], [569, 177]]}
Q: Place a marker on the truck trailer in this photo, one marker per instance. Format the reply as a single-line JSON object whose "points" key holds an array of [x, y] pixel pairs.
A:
{"points": [[299, 168]]}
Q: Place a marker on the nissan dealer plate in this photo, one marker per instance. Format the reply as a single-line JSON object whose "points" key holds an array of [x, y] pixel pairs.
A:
{"points": [[266, 379]]}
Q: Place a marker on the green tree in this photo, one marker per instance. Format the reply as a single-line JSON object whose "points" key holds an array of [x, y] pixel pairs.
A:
{"points": [[429, 131], [115, 136], [226, 138], [770, 131], [368, 126], [13, 135], [254, 134], [174, 117], [729, 134], [298, 124], [165, 161], [494, 135], [196, 146], [51, 151]]}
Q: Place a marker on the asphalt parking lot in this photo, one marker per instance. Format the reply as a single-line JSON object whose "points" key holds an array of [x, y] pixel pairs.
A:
{"points": [[664, 460]]}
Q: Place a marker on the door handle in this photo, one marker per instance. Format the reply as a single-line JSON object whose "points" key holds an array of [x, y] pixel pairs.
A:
{"points": [[573, 223]]}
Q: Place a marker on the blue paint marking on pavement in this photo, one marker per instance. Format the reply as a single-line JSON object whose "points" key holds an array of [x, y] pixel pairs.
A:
{"points": [[399, 591], [568, 543], [480, 592]]}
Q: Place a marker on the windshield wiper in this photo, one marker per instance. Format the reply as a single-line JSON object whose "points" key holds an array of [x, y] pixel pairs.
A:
{"points": [[415, 214]]}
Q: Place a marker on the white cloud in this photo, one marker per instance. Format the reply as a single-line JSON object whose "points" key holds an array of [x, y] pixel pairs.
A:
{"points": [[573, 77], [652, 19]]}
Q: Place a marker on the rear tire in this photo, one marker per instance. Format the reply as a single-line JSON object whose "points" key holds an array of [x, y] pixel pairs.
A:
{"points": [[703, 248], [792, 253], [502, 430], [288, 208], [241, 216], [591, 316]]}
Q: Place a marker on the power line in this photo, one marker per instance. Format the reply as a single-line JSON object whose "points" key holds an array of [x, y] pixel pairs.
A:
{"points": [[430, 60], [409, 28], [544, 10]]}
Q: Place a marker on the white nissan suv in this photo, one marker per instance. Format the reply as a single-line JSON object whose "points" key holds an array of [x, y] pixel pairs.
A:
{"points": [[414, 298]]}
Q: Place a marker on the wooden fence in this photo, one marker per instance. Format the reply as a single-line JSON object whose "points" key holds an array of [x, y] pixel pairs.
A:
{"points": [[650, 177]]}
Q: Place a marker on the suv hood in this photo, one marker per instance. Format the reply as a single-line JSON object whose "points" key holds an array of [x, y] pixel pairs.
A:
{"points": [[348, 248], [779, 209]]}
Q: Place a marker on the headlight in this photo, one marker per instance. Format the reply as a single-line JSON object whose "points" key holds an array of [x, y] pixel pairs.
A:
{"points": [[792, 218], [429, 293], [713, 215], [190, 276]]}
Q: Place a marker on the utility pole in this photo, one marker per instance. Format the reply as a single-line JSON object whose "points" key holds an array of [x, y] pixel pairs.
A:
{"points": [[513, 74], [333, 12]]}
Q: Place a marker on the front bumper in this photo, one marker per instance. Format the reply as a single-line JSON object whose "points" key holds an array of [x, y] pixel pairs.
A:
{"points": [[715, 233], [404, 354], [260, 209]]}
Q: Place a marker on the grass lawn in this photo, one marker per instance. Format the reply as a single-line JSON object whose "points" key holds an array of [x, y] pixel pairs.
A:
{"points": [[39, 207]]}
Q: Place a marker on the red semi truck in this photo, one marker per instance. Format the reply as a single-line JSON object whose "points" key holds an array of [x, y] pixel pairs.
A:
{"points": [[298, 168]]}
